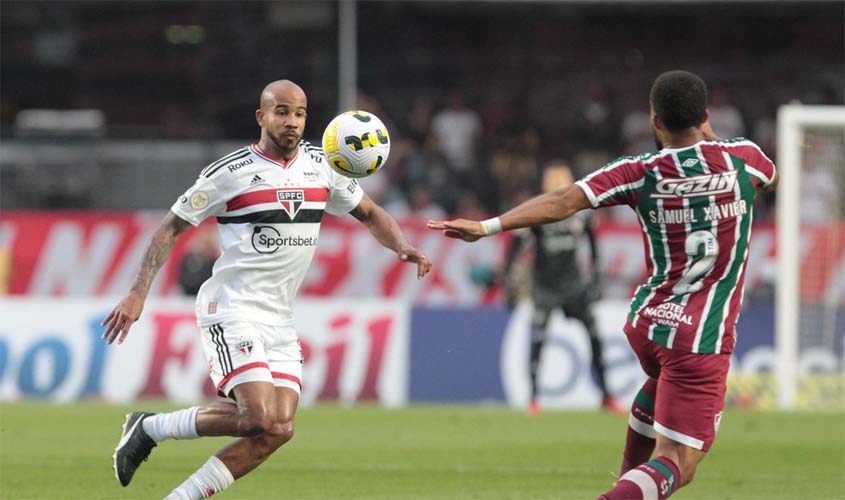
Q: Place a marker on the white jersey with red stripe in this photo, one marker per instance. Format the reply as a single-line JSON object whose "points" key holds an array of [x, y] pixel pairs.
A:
{"points": [[268, 214], [695, 208]]}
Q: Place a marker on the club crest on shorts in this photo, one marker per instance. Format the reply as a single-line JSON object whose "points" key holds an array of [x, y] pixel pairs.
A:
{"points": [[291, 200], [245, 346]]}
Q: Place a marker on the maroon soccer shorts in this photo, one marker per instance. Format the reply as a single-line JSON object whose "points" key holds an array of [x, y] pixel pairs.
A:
{"points": [[690, 391]]}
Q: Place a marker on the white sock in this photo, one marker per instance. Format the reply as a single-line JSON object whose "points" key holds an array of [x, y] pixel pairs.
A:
{"points": [[211, 478], [180, 424]]}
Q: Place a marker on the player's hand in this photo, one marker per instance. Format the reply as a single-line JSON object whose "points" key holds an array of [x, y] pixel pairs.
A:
{"points": [[120, 320], [462, 229], [411, 254]]}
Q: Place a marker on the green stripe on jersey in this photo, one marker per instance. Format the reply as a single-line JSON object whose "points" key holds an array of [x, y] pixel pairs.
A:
{"points": [[655, 239], [695, 204], [716, 315], [661, 334]]}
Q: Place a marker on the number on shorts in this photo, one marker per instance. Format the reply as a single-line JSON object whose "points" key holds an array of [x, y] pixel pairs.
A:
{"points": [[703, 247]]}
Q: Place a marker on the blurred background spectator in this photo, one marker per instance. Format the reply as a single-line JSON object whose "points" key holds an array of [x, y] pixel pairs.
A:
{"points": [[198, 262], [473, 110]]}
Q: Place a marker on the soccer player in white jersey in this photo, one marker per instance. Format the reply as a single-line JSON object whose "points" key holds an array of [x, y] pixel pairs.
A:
{"points": [[694, 200], [268, 199]]}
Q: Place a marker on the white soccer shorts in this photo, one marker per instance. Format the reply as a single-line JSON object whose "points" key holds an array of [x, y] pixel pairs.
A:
{"points": [[242, 351]]}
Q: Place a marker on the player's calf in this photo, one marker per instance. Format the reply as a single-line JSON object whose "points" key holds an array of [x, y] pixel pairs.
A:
{"points": [[686, 457], [254, 421], [640, 441]]}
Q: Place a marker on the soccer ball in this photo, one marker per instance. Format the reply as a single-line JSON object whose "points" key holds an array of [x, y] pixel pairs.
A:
{"points": [[356, 144]]}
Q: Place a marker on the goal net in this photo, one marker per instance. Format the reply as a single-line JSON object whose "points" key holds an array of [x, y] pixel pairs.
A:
{"points": [[810, 285]]}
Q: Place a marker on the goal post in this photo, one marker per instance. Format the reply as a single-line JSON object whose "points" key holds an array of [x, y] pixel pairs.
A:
{"points": [[794, 123]]}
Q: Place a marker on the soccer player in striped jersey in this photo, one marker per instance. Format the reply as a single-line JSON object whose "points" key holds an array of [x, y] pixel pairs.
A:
{"points": [[694, 201], [268, 199]]}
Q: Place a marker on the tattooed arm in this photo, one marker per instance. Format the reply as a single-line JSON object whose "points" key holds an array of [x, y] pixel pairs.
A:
{"points": [[129, 309]]}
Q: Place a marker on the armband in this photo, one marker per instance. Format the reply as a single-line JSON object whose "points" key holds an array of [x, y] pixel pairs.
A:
{"points": [[491, 226]]}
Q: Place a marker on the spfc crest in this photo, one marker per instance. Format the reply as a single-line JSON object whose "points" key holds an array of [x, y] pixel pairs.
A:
{"points": [[245, 346], [291, 200]]}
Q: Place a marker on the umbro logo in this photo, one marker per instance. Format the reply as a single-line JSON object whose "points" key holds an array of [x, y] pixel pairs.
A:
{"points": [[689, 162], [255, 180]]}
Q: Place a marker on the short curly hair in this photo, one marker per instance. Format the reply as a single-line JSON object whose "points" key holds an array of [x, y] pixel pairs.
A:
{"points": [[679, 99]]}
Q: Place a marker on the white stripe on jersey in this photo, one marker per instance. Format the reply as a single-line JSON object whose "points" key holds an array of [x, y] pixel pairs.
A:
{"points": [[726, 308], [744, 142], [706, 310], [688, 229], [759, 175], [624, 187], [739, 218], [612, 165], [666, 256], [589, 192], [263, 207], [714, 228]]}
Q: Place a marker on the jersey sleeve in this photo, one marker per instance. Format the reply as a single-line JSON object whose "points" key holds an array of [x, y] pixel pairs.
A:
{"points": [[617, 183], [200, 201], [344, 194], [757, 164]]}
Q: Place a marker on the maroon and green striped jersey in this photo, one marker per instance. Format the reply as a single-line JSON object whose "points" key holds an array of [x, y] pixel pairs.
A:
{"points": [[695, 208]]}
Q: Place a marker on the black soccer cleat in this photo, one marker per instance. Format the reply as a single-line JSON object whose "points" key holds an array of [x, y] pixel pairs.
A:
{"points": [[134, 447]]}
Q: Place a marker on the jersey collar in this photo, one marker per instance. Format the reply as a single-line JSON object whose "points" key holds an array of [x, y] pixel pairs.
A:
{"points": [[280, 162], [673, 150]]}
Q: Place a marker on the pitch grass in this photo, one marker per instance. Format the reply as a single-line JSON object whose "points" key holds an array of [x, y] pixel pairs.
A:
{"points": [[424, 452]]}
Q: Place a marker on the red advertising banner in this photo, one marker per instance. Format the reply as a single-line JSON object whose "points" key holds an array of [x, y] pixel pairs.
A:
{"points": [[98, 253]]}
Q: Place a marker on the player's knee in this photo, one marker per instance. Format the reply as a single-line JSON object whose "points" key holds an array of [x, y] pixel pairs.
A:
{"points": [[282, 432], [256, 421]]}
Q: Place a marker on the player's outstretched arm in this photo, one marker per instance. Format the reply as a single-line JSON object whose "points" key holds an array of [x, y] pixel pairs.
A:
{"points": [[385, 229], [549, 207], [128, 310]]}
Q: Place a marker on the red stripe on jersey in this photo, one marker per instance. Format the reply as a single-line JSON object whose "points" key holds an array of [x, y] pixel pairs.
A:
{"points": [[726, 236], [753, 156], [729, 339], [675, 240], [270, 196]]}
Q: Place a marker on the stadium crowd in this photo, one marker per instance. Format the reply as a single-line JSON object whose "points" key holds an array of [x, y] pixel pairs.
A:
{"points": [[475, 109]]}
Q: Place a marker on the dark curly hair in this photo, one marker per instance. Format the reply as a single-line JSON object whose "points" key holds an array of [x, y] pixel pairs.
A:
{"points": [[679, 98]]}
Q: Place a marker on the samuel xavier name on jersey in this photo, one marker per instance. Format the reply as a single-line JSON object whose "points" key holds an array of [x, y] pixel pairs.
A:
{"points": [[695, 187]]}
